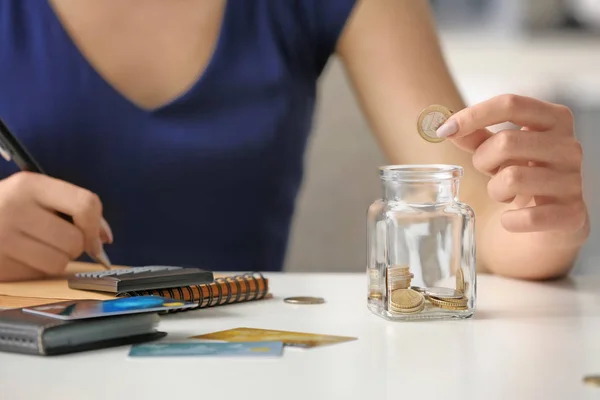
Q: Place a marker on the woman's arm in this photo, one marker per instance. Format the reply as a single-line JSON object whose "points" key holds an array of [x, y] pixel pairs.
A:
{"points": [[391, 53]]}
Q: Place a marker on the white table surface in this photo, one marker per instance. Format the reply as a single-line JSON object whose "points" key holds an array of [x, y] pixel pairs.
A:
{"points": [[527, 341]]}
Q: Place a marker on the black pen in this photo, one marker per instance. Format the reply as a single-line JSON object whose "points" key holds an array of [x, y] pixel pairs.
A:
{"points": [[12, 149]]}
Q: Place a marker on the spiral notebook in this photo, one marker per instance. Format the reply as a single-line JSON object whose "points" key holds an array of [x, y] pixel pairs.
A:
{"points": [[223, 290], [237, 288]]}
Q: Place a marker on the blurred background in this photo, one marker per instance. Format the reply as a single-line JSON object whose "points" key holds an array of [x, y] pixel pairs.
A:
{"points": [[548, 49]]}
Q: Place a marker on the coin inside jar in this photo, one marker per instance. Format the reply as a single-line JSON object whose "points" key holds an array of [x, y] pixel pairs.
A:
{"points": [[406, 299], [430, 119], [443, 293], [400, 269], [460, 280]]}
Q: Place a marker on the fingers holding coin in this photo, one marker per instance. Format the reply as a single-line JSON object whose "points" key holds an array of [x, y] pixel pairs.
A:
{"points": [[436, 121], [523, 111], [539, 164]]}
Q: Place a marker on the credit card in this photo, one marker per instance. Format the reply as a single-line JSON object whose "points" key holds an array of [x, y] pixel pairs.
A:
{"points": [[293, 339], [207, 349], [84, 309]]}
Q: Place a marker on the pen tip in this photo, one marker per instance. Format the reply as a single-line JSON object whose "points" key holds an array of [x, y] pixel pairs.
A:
{"points": [[102, 258]]}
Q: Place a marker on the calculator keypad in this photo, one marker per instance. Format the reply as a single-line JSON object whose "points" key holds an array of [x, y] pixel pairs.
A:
{"points": [[123, 271]]}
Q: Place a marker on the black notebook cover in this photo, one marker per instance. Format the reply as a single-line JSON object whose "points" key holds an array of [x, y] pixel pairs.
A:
{"points": [[22, 332]]}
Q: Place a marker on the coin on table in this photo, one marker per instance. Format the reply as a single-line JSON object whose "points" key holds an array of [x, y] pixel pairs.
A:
{"points": [[443, 293], [592, 380], [430, 119], [304, 300]]}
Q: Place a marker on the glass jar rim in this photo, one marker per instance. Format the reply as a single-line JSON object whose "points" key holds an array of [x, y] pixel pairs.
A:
{"points": [[420, 172]]}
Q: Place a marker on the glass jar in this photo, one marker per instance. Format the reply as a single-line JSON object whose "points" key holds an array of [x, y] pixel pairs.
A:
{"points": [[421, 245]]}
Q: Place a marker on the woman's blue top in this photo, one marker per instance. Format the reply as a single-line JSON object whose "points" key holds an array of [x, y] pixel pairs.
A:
{"points": [[211, 178]]}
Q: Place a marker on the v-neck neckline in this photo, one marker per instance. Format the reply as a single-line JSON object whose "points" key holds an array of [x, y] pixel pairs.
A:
{"points": [[204, 75]]}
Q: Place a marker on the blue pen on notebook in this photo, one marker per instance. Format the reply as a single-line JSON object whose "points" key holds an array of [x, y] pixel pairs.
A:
{"points": [[12, 149]]}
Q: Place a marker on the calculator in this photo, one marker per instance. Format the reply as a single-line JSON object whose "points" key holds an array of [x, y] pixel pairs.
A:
{"points": [[139, 278]]}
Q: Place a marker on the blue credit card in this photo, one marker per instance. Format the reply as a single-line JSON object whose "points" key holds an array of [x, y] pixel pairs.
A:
{"points": [[84, 309], [207, 349]]}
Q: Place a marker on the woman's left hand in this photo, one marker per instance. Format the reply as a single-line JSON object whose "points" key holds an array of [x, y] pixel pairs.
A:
{"points": [[536, 168]]}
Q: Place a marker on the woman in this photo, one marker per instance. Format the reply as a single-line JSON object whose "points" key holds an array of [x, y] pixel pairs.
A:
{"points": [[183, 124]]}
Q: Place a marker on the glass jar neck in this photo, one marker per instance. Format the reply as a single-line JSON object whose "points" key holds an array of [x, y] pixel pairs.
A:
{"points": [[421, 184], [421, 192]]}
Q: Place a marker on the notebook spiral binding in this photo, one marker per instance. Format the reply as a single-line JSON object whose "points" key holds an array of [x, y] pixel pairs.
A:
{"points": [[223, 290]]}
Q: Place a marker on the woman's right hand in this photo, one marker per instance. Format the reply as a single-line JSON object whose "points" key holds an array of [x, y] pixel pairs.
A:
{"points": [[34, 241]]}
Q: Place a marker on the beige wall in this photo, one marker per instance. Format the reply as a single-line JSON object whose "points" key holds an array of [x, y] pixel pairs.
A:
{"points": [[341, 181]]}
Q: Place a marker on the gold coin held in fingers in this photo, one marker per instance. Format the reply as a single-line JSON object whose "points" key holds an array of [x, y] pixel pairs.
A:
{"points": [[430, 119]]}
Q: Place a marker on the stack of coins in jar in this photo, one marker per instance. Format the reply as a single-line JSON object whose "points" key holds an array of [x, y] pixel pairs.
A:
{"points": [[403, 298], [400, 298]]}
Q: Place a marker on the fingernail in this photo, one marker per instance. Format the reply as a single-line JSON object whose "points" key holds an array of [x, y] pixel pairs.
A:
{"points": [[107, 230], [450, 127]]}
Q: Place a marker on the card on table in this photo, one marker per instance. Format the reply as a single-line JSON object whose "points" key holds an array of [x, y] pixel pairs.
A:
{"points": [[293, 339], [83, 309], [215, 349]]}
